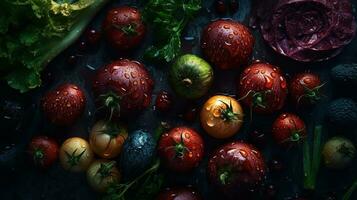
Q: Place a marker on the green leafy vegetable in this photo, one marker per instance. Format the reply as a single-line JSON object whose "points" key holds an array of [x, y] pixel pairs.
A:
{"points": [[33, 32], [312, 159], [168, 18], [144, 187]]}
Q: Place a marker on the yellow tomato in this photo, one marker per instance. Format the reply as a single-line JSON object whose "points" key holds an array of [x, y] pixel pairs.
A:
{"points": [[101, 174], [75, 154], [221, 116], [107, 139]]}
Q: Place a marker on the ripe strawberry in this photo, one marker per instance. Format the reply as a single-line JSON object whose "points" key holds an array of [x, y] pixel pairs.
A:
{"points": [[64, 105], [227, 44]]}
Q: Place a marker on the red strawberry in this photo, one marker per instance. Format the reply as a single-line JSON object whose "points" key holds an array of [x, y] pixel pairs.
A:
{"points": [[64, 105], [124, 28], [227, 44]]}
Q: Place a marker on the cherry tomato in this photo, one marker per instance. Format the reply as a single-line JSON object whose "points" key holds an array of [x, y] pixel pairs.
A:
{"points": [[101, 174], [124, 28], [227, 44], [107, 138], [236, 167], [64, 105], [43, 151], [305, 89], [221, 116], [181, 149], [288, 129], [163, 101], [75, 154], [263, 88], [178, 193]]}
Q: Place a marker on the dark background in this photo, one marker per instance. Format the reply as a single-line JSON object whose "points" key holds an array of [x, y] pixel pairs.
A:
{"points": [[20, 180]]}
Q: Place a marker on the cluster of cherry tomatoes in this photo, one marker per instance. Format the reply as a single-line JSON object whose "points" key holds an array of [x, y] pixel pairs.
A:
{"points": [[124, 87]]}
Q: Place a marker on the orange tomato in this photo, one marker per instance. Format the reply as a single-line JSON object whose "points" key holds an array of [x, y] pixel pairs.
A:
{"points": [[221, 116], [107, 139]]}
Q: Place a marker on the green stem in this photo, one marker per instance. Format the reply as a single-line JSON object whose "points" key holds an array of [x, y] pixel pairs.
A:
{"points": [[350, 191]]}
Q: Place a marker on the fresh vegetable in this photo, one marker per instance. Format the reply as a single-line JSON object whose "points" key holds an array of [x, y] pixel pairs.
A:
{"points": [[289, 129], [345, 75], [305, 89], [312, 158], [348, 194], [308, 30], [43, 151], [137, 154], [263, 88], [177, 193], [168, 18], [123, 87], [191, 76], [338, 152], [220, 6], [107, 138], [236, 167], [64, 104], [75, 154], [163, 101], [221, 116], [342, 113], [181, 149], [101, 174], [227, 44], [124, 28], [12, 114], [143, 187], [27, 46]]}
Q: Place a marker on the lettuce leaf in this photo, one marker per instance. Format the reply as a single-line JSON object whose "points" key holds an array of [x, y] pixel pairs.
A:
{"points": [[33, 32]]}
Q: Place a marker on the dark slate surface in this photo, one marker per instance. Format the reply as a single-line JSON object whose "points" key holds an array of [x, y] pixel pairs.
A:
{"points": [[19, 180]]}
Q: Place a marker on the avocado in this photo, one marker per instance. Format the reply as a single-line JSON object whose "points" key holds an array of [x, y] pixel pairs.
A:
{"points": [[342, 113], [345, 75]]}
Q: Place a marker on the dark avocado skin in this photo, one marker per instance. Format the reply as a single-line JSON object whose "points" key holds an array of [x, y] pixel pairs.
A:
{"points": [[342, 113], [193, 68], [137, 155], [345, 75]]}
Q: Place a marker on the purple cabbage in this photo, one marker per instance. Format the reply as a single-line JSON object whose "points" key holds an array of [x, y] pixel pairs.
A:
{"points": [[309, 30]]}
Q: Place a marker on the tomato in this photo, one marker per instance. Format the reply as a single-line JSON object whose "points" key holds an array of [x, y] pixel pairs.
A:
{"points": [[227, 44], [43, 151], [124, 28], [289, 129], [221, 116], [181, 149], [107, 138], [101, 174], [64, 105], [305, 89], [123, 87], [236, 167], [178, 193], [263, 88], [338, 153], [137, 154], [191, 76], [164, 101], [75, 154]]}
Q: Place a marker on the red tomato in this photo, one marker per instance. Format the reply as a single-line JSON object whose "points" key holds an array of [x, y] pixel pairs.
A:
{"points": [[43, 151], [305, 89], [163, 101], [64, 105], [288, 129], [178, 193], [124, 28], [123, 87], [262, 87], [236, 167], [181, 149], [227, 44]]}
